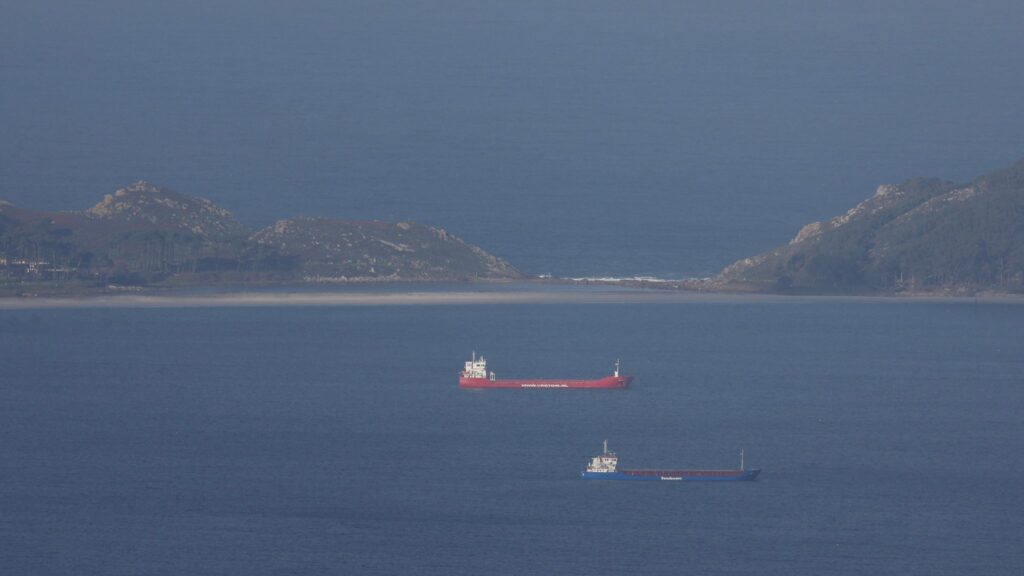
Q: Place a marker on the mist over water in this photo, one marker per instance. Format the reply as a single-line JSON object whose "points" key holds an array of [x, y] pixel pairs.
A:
{"points": [[574, 138]]}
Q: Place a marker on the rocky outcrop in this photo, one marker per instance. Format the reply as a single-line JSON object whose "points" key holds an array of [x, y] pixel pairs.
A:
{"points": [[143, 205]]}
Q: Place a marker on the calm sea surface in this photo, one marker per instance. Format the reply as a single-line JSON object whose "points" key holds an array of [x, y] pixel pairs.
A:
{"points": [[335, 440]]}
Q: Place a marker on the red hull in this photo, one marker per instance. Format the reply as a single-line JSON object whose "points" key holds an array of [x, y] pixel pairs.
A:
{"points": [[606, 382]]}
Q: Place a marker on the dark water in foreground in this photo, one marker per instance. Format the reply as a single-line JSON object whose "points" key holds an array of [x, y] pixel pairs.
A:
{"points": [[335, 441]]}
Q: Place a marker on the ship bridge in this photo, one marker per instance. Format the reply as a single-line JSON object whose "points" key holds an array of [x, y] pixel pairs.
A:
{"points": [[477, 368], [607, 462]]}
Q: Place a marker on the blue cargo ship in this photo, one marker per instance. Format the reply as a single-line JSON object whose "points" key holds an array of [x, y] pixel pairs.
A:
{"points": [[606, 467]]}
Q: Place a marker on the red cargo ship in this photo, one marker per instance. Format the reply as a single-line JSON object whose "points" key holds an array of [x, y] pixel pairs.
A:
{"points": [[475, 375]]}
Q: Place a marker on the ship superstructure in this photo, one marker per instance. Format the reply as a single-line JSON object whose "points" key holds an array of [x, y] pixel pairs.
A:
{"points": [[475, 375]]}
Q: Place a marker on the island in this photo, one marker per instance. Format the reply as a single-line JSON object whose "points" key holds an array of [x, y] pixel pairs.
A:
{"points": [[924, 236], [145, 235]]}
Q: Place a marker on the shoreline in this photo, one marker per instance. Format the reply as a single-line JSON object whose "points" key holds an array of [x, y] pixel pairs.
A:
{"points": [[503, 293]]}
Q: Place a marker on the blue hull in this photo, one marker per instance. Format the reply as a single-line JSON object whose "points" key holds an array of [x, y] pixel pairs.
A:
{"points": [[685, 476], [617, 476]]}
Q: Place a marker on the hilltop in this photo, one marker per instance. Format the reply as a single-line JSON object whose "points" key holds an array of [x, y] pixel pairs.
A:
{"points": [[143, 206], [147, 235], [351, 249], [924, 235]]}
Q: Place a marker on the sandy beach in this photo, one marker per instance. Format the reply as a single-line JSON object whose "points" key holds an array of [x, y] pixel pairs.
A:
{"points": [[454, 297]]}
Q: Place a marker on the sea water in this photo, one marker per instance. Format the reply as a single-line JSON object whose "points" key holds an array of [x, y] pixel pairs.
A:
{"points": [[334, 440]]}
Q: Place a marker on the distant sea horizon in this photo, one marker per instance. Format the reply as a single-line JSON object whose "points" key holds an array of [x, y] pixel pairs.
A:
{"points": [[569, 138]]}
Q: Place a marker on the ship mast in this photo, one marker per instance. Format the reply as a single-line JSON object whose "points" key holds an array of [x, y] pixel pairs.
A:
{"points": [[616, 367], [741, 458], [606, 446]]}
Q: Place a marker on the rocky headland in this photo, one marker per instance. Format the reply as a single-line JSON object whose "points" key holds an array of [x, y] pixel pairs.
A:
{"points": [[144, 235], [924, 236]]}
